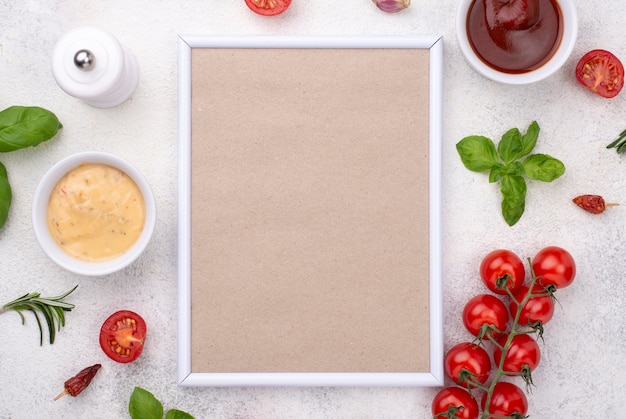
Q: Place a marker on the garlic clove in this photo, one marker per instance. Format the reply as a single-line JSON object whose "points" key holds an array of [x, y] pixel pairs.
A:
{"points": [[392, 6]]}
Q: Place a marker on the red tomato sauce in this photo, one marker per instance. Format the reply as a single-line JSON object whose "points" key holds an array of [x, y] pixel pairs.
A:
{"points": [[514, 46]]}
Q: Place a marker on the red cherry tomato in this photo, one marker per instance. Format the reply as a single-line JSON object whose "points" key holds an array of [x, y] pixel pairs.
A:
{"points": [[122, 336], [554, 266], [601, 72], [506, 399], [523, 352], [537, 309], [467, 361], [502, 267], [485, 309], [456, 401], [268, 7]]}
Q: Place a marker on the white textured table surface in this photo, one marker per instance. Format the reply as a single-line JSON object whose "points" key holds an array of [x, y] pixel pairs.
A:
{"points": [[582, 373]]}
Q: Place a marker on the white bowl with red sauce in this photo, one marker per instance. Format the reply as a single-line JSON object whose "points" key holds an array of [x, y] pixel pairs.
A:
{"points": [[128, 189], [519, 41]]}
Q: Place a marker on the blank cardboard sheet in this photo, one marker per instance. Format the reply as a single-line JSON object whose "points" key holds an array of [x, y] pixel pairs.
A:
{"points": [[309, 210]]}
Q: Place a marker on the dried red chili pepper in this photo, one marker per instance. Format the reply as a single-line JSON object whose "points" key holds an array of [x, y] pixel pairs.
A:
{"points": [[594, 204], [75, 385]]}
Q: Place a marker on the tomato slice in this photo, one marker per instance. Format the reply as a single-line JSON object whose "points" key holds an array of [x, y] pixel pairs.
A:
{"points": [[122, 336], [601, 72], [268, 7]]}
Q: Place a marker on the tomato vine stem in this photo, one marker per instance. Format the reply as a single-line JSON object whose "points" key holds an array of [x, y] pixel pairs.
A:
{"points": [[513, 331]]}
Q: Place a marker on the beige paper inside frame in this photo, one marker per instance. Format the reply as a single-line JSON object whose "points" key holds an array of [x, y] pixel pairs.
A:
{"points": [[309, 210]]}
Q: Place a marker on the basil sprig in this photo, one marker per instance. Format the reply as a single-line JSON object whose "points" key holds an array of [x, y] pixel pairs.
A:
{"points": [[143, 405], [510, 163], [21, 127]]}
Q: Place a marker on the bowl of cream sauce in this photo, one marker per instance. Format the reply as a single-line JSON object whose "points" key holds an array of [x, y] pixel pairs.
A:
{"points": [[93, 213]]}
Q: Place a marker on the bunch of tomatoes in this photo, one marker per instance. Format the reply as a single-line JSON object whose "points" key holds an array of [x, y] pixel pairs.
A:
{"points": [[508, 322]]}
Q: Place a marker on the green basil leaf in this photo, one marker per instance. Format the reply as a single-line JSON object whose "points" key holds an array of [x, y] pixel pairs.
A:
{"points": [[143, 405], [496, 172], [5, 195], [478, 153], [515, 169], [177, 414], [513, 189], [512, 213], [26, 126], [543, 167], [510, 146], [529, 140]]}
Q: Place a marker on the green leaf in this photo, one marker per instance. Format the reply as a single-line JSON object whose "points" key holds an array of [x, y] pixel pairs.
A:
{"points": [[543, 167], [620, 143], [143, 405], [496, 172], [477, 153], [5, 195], [51, 308], [514, 169], [510, 146], [26, 126], [513, 189], [177, 414], [529, 140]]}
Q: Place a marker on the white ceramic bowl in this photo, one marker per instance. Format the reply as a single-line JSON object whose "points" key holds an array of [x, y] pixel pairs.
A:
{"points": [[42, 198], [570, 32]]}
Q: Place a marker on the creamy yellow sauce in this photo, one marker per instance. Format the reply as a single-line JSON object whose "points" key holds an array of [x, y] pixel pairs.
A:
{"points": [[96, 212]]}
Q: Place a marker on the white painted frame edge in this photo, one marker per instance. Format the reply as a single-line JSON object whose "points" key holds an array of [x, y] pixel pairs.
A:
{"points": [[185, 376]]}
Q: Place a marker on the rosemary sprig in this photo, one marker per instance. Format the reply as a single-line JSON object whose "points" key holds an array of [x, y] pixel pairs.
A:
{"points": [[52, 309], [620, 143]]}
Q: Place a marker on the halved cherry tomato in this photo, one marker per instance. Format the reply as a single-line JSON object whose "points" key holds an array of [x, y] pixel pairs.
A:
{"points": [[455, 401], [467, 362], [601, 72], [506, 400], [502, 269], [122, 336], [537, 309], [482, 310], [554, 266], [268, 7]]}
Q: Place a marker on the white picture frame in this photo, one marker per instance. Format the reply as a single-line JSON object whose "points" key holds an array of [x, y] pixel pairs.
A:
{"points": [[431, 378]]}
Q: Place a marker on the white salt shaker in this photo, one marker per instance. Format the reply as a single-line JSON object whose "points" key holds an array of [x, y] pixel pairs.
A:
{"points": [[89, 63]]}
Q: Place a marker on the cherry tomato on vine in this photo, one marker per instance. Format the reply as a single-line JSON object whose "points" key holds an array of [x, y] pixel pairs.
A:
{"points": [[485, 309], [506, 399], [601, 72], [522, 352], [467, 361], [122, 336], [554, 266], [502, 266], [457, 401], [268, 7], [536, 309]]}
